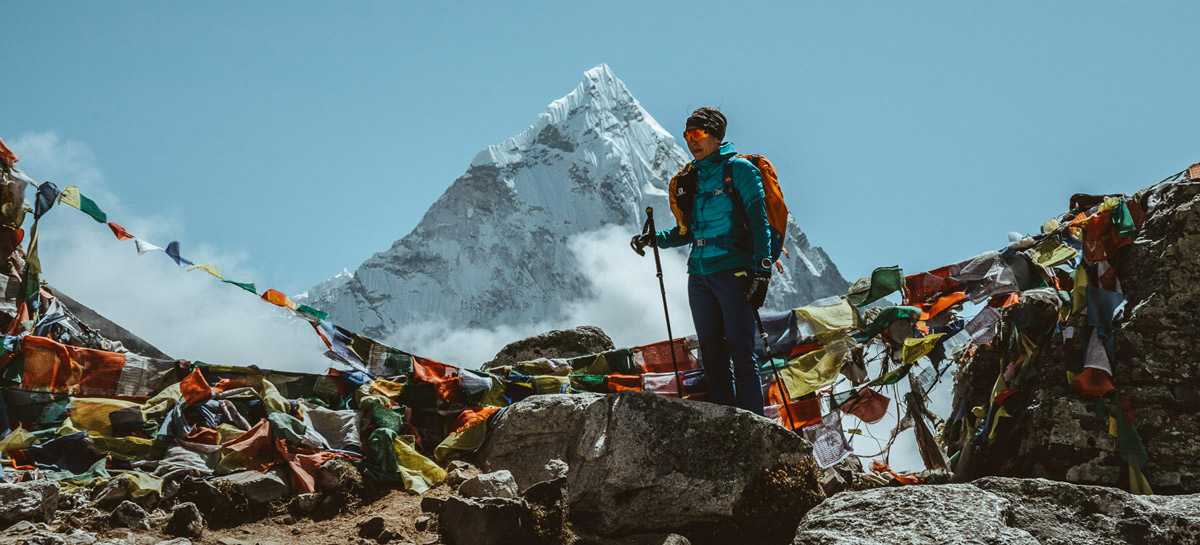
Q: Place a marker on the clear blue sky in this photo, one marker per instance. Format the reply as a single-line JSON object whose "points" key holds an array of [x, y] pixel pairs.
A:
{"points": [[307, 136]]}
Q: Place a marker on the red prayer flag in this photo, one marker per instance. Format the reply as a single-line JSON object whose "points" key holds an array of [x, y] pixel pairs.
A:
{"points": [[119, 231], [870, 406], [1092, 382]]}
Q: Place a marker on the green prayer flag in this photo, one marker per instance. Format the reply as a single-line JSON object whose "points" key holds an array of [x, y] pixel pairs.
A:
{"points": [[398, 363], [886, 318], [89, 207], [247, 287], [1123, 221], [892, 377], [883, 281], [588, 383], [320, 315], [1129, 443], [841, 398]]}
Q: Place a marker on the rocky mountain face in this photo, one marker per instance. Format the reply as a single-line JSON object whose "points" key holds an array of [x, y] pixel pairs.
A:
{"points": [[1156, 372], [493, 249]]}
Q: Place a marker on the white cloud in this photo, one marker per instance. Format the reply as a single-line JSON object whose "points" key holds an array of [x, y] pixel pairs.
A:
{"points": [[189, 315], [626, 304]]}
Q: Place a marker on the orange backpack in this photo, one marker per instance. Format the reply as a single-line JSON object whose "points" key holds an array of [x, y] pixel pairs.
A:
{"points": [[683, 190]]}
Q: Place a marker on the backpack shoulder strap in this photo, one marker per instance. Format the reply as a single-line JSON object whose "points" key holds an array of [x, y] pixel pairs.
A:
{"points": [[727, 177]]}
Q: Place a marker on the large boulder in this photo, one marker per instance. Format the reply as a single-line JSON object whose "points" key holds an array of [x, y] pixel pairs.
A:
{"points": [[559, 343], [643, 463], [1001, 510]]}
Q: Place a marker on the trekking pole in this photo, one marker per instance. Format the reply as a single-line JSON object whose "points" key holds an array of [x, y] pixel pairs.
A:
{"points": [[648, 228], [787, 398]]}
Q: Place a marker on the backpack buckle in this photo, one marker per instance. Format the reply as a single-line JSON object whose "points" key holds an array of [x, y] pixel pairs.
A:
{"points": [[701, 242]]}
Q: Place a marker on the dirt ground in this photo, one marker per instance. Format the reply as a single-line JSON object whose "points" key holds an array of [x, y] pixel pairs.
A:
{"points": [[399, 510]]}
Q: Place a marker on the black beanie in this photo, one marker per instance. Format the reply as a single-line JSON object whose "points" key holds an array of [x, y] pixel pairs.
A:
{"points": [[709, 119]]}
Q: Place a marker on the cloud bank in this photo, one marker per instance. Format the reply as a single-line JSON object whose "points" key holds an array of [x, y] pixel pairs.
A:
{"points": [[189, 315]]}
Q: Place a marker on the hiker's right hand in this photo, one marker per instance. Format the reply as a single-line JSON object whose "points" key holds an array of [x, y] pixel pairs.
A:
{"points": [[638, 242]]}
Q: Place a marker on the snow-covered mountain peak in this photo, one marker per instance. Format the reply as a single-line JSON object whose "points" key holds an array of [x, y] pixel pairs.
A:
{"points": [[494, 248], [601, 100]]}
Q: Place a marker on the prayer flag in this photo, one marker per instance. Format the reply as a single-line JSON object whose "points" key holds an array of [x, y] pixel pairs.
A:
{"points": [[838, 399], [70, 196], [886, 318], [811, 372], [893, 376], [194, 388], [47, 193], [143, 246], [173, 251], [829, 444], [869, 406], [276, 297], [6, 154], [210, 269], [246, 286], [800, 414], [320, 315], [1053, 253], [830, 314], [119, 231], [883, 281], [917, 348], [89, 207]]}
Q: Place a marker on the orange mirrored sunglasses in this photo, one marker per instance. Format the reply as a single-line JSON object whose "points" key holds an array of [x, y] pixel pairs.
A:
{"points": [[692, 135]]}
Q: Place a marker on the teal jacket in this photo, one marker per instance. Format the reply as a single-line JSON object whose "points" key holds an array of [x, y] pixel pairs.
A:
{"points": [[713, 217]]}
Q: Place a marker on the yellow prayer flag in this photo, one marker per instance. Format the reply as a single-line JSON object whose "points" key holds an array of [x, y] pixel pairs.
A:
{"points": [[811, 372], [1138, 483], [823, 319], [70, 196], [916, 348], [1079, 292], [1053, 253], [210, 269]]}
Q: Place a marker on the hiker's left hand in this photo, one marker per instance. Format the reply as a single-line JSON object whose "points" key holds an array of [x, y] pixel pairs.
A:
{"points": [[756, 291]]}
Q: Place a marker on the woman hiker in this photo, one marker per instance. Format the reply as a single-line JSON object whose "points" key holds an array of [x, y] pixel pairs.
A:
{"points": [[728, 268]]}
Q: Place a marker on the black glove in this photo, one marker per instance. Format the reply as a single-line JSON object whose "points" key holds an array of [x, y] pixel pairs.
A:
{"points": [[638, 242], [756, 289]]}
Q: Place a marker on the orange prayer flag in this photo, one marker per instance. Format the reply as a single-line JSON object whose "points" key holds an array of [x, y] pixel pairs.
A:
{"points": [[194, 388], [427, 370], [805, 412], [6, 154], [943, 303], [119, 231], [276, 297], [616, 383]]}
